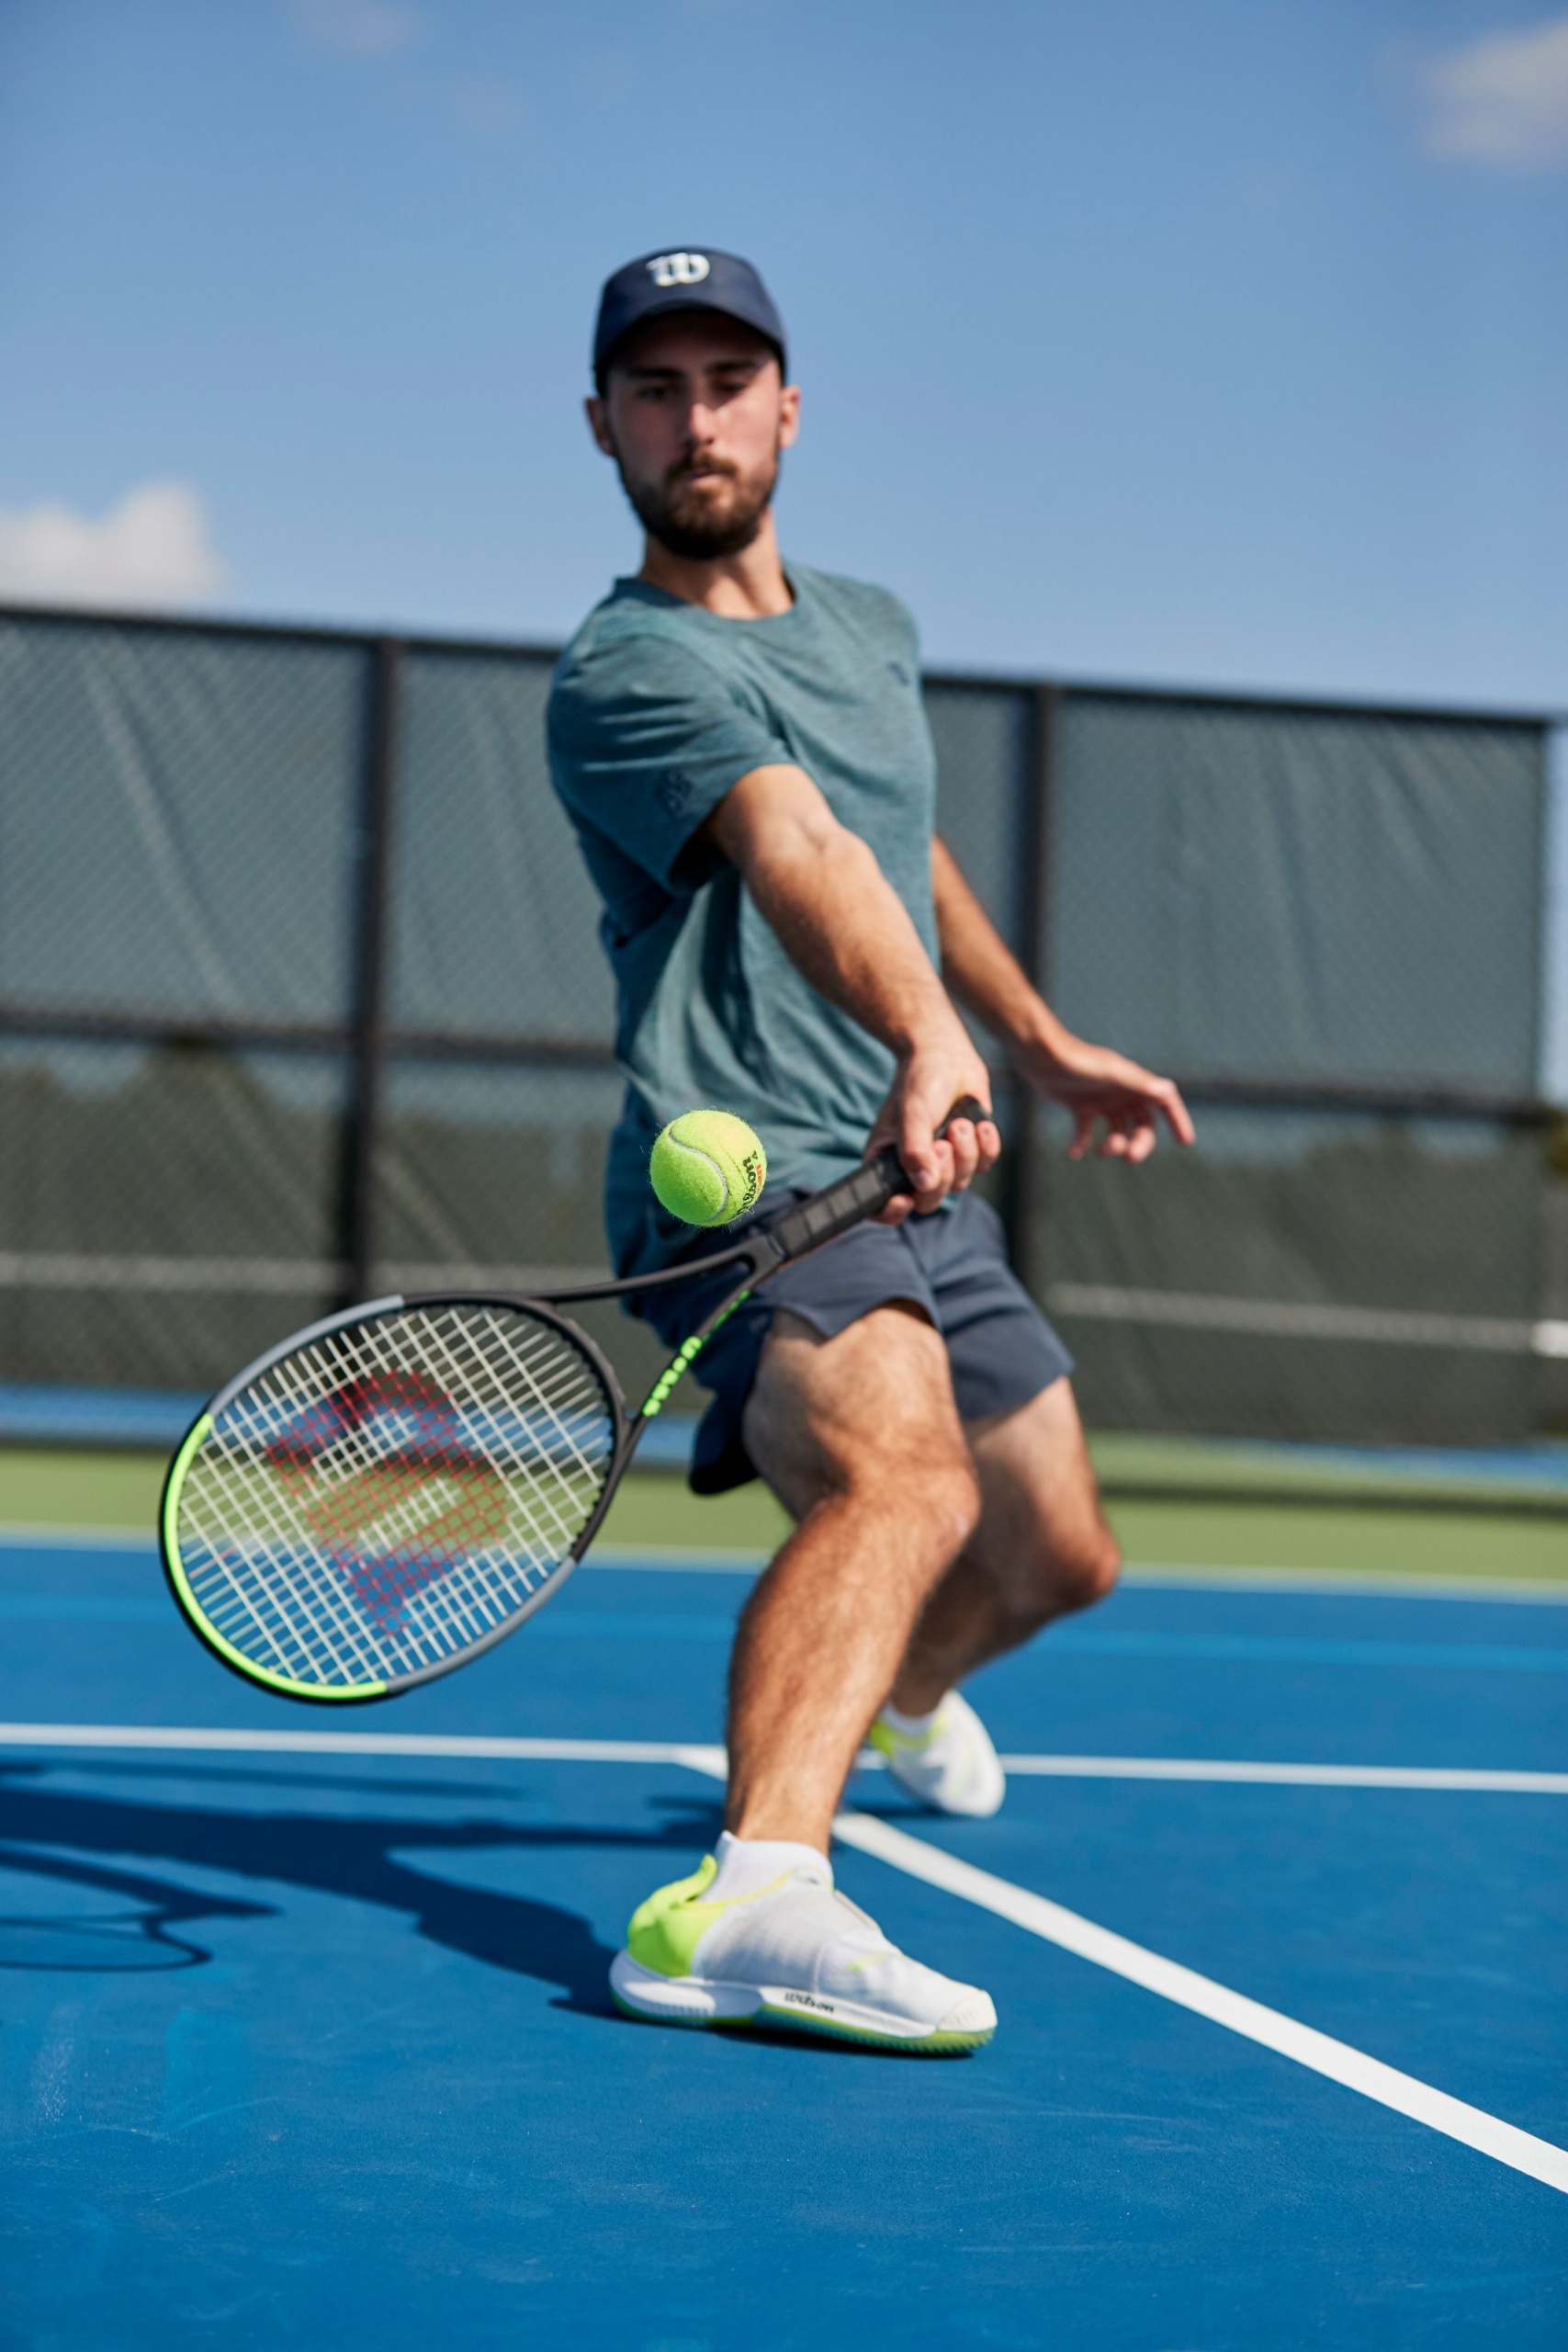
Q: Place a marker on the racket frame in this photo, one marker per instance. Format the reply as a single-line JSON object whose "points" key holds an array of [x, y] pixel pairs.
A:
{"points": [[627, 1428], [327, 1694]]}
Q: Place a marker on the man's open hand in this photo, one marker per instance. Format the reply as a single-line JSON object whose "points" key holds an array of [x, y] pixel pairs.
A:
{"points": [[1104, 1089]]}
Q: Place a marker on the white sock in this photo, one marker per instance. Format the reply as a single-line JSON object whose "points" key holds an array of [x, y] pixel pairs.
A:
{"points": [[746, 1865], [911, 1727]]}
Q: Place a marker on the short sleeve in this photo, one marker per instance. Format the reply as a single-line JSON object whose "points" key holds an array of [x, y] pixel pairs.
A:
{"points": [[645, 740]]}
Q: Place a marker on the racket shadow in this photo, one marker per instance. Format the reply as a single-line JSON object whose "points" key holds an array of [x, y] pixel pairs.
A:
{"points": [[358, 1859], [139, 1934]]}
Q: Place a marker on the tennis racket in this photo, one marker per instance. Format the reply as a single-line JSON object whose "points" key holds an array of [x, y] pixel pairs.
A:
{"points": [[393, 1490]]}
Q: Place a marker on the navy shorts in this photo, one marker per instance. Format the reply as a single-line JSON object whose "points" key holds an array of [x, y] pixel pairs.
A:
{"points": [[952, 1264]]}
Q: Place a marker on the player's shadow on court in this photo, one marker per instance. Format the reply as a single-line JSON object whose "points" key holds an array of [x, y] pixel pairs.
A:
{"points": [[359, 1858]]}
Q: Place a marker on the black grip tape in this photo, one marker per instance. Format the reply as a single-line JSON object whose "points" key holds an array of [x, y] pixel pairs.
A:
{"points": [[856, 1196]]}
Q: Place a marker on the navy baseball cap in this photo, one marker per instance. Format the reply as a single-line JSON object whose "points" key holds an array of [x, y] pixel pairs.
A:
{"points": [[688, 280]]}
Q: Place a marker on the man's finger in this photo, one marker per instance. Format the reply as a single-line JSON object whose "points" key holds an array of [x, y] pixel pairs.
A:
{"points": [[939, 1183], [1163, 1094], [916, 1148], [963, 1141], [1177, 1112]]}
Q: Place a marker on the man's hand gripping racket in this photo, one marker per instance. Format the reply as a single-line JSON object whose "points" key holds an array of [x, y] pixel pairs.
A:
{"points": [[395, 1490]]}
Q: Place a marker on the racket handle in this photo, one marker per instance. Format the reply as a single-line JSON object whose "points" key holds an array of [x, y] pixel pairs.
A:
{"points": [[856, 1196]]}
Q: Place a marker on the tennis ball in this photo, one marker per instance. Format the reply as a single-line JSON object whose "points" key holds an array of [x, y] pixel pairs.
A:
{"points": [[707, 1167]]}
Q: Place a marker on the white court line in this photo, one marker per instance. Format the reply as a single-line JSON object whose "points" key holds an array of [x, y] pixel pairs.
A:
{"points": [[363, 1743], [1347, 1583], [1539, 2159], [1155, 1575], [1521, 2149], [1302, 1776], [1472, 2125], [707, 1759], [708, 1562]]}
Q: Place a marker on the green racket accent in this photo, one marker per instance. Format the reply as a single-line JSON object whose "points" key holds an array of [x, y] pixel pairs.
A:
{"points": [[198, 1615], [658, 1395]]}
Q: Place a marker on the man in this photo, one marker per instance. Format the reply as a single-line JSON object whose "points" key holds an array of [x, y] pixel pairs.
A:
{"points": [[742, 748]]}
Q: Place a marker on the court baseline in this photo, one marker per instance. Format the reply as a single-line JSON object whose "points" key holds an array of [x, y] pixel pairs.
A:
{"points": [[704, 1756]]}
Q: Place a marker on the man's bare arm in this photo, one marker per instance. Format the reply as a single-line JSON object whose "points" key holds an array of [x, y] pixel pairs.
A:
{"points": [[1094, 1084], [843, 924]]}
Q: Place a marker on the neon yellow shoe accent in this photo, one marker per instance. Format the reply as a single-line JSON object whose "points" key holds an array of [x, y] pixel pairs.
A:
{"points": [[936, 2044], [891, 1743], [951, 1765], [666, 1930]]}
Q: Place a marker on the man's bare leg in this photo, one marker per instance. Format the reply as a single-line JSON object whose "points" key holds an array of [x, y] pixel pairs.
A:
{"points": [[1042, 1548], [860, 1438]]}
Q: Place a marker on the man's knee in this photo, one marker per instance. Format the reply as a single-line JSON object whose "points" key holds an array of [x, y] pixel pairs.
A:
{"points": [[925, 1479], [940, 1487], [1044, 1542], [1068, 1568], [868, 1416], [1089, 1565]]}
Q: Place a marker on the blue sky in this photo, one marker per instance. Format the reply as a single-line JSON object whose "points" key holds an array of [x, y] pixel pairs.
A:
{"points": [[1141, 339]]}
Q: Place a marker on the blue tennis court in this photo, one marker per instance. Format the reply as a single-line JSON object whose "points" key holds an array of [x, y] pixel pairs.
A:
{"points": [[306, 2033]]}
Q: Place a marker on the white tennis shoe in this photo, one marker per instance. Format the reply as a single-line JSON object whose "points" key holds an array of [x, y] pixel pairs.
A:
{"points": [[950, 1764], [797, 1954]]}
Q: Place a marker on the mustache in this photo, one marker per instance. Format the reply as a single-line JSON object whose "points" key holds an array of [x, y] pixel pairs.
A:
{"points": [[699, 467], [703, 529]]}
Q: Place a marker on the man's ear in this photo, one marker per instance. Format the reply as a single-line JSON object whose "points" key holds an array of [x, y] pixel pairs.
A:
{"points": [[789, 415], [597, 412]]}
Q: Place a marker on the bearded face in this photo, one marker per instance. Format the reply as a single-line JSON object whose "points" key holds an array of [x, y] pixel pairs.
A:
{"points": [[694, 414], [703, 507]]}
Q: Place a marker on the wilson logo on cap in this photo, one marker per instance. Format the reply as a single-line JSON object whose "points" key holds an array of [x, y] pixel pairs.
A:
{"points": [[678, 269]]}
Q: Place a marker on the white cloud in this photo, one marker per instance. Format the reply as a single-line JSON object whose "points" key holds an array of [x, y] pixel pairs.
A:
{"points": [[152, 547], [1502, 99], [358, 27]]}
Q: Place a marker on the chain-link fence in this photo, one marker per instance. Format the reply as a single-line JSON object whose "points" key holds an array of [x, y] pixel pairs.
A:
{"points": [[300, 996]]}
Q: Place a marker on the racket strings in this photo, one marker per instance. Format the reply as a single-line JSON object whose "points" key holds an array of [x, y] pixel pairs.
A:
{"points": [[389, 1494]]}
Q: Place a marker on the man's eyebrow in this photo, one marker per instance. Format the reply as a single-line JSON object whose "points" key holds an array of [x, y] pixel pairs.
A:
{"points": [[650, 369]]}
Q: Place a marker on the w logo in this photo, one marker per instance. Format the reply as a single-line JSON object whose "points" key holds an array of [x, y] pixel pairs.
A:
{"points": [[678, 269]]}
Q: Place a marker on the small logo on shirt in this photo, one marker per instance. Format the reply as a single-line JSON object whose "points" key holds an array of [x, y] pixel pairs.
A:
{"points": [[675, 793], [900, 672], [679, 269]]}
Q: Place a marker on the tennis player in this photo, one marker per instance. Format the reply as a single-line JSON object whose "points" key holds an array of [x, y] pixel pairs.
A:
{"points": [[741, 746]]}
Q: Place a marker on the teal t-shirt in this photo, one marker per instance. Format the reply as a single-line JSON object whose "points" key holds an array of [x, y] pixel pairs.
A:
{"points": [[657, 709]]}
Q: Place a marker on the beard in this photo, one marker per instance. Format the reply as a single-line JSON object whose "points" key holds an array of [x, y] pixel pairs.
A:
{"points": [[676, 514]]}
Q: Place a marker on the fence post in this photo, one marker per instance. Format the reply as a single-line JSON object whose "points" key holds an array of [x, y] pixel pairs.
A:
{"points": [[1023, 1202], [371, 872]]}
